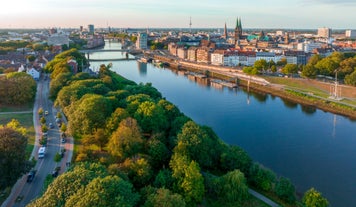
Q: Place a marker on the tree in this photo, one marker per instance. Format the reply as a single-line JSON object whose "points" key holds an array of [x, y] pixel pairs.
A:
{"points": [[313, 198], [233, 187], [261, 177], [285, 190], [107, 191], [90, 113], [15, 125], [351, 79], [163, 179], [100, 138], [250, 70], [290, 69], [126, 141], [150, 117], [159, 153], [59, 115], [63, 128], [164, 197], [327, 66], [282, 62], [234, 157], [40, 111], [309, 71], [273, 68], [44, 128], [116, 117], [12, 156], [43, 120], [260, 65]]}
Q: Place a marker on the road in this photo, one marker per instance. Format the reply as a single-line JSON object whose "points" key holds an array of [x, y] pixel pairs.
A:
{"points": [[23, 192]]}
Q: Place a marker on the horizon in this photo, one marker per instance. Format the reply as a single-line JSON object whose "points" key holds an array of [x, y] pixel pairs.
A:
{"points": [[277, 14]]}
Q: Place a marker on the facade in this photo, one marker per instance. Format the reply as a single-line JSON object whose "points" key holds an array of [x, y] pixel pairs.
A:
{"points": [[324, 32], [350, 34], [141, 42], [34, 73], [58, 39], [91, 29], [182, 52], [192, 54], [203, 55], [308, 46], [172, 48], [218, 57]]}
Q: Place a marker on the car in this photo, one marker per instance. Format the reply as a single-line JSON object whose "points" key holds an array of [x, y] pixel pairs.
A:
{"points": [[55, 172], [46, 113], [63, 140], [31, 175], [51, 125]]}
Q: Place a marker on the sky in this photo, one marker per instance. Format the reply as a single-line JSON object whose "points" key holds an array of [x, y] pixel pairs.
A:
{"points": [[277, 14]]}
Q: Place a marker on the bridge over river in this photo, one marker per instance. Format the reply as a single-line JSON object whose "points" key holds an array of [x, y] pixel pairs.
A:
{"points": [[88, 52]]}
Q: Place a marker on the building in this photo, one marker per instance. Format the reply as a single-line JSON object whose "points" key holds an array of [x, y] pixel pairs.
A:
{"points": [[182, 52], [218, 57], [192, 54], [238, 31], [308, 46], [172, 48], [350, 34], [58, 39], [225, 32], [203, 55], [324, 32], [91, 29], [141, 42], [34, 73]]}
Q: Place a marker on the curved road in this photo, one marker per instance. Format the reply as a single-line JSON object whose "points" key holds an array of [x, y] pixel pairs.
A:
{"points": [[23, 193]]}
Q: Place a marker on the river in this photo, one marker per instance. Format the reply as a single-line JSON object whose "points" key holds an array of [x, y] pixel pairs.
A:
{"points": [[311, 147]]}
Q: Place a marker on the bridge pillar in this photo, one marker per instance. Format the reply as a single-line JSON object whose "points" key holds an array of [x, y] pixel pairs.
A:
{"points": [[88, 57]]}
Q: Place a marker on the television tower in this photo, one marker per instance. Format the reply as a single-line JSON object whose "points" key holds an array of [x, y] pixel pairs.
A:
{"points": [[190, 25]]}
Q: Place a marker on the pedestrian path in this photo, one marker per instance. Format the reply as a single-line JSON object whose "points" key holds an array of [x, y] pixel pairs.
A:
{"points": [[263, 198]]}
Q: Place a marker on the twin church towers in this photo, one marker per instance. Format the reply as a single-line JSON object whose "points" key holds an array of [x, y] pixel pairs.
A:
{"points": [[237, 32]]}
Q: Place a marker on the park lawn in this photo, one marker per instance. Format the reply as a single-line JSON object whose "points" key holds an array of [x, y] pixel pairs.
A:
{"points": [[11, 108], [26, 120]]}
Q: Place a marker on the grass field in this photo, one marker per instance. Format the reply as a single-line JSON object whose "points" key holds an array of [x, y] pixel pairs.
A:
{"points": [[6, 108], [317, 88], [26, 120]]}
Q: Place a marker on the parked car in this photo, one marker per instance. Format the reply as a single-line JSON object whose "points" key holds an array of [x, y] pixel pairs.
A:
{"points": [[63, 140], [46, 113], [51, 126], [55, 172], [31, 175]]}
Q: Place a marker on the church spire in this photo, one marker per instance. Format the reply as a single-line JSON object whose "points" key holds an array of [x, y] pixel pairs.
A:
{"points": [[225, 32]]}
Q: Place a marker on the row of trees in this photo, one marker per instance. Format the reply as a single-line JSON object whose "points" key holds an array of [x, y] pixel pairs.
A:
{"points": [[17, 88], [143, 140], [344, 64]]}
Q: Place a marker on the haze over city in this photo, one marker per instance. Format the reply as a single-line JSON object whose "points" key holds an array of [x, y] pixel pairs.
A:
{"points": [[299, 14]]}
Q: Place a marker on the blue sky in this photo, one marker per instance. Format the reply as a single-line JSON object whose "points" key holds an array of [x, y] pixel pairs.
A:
{"points": [[311, 14]]}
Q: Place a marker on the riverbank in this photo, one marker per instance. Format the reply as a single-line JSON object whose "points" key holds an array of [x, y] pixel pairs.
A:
{"points": [[261, 85]]}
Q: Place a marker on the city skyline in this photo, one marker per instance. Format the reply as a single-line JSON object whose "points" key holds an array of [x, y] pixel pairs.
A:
{"points": [[295, 14]]}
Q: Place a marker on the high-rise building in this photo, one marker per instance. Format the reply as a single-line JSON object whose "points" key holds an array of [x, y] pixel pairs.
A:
{"points": [[141, 42], [238, 30], [81, 28], [350, 34], [91, 29], [324, 32]]}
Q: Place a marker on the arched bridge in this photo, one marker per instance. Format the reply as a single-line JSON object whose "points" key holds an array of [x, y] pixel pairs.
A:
{"points": [[101, 50]]}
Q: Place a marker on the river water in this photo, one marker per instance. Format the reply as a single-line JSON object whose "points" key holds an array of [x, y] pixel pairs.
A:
{"points": [[311, 147]]}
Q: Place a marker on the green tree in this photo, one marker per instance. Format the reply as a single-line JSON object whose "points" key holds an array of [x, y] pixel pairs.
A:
{"points": [[327, 66], [107, 191], [57, 157], [63, 128], [116, 117], [158, 152], [260, 65], [290, 69], [138, 170], [99, 138], [285, 190], [126, 141], [15, 125], [233, 187], [234, 157], [59, 115], [282, 62], [261, 177], [309, 71], [150, 117], [250, 70], [58, 83], [351, 79], [31, 58], [90, 113], [163, 179], [44, 128], [12, 156], [43, 120], [313, 198], [314, 59], [273, 68], [164, 197]]}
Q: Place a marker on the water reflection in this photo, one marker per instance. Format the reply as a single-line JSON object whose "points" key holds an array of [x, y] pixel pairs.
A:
{"points": [[142, 68], [308, 110], [289, 104]]}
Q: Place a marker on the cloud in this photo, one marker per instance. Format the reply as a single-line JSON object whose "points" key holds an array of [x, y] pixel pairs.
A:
{"points": [[332, 2]]}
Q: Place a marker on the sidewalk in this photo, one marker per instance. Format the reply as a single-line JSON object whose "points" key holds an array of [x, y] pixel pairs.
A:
{"points": [[263, 198]]}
